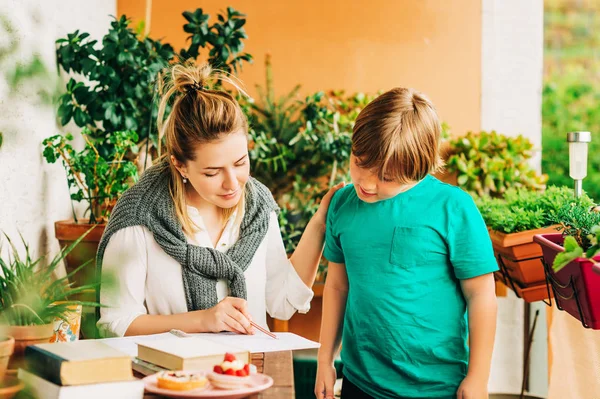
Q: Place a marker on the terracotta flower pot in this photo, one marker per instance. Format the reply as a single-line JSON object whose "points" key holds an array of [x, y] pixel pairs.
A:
{"points": [[519, 259], [10, 386], [576, 286], [67, 231], [25, 336], [7, 346]]}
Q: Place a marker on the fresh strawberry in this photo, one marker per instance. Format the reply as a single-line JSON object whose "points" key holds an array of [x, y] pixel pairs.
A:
{"points": [[230, 372], [241, 373], [218, 369], [247, 368], [229, 357]]}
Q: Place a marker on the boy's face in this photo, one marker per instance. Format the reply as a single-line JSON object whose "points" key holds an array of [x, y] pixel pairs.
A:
{"points": [[369, 187]]}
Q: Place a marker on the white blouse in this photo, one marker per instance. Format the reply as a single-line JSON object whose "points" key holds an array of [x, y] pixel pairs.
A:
{"points": [[150, 282]]}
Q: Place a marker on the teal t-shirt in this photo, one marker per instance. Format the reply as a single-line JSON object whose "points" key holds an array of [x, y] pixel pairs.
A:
{"points": [[405, 327]]}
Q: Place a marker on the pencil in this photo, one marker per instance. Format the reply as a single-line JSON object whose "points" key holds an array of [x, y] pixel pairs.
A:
{"points": [[259, 328]]}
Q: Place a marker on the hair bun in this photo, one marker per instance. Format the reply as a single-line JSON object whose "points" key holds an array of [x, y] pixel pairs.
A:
{"points": [[194, 87], [190, 76]]}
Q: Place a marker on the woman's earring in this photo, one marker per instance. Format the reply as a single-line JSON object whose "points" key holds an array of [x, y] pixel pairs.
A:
{"points": [[184, 180]]}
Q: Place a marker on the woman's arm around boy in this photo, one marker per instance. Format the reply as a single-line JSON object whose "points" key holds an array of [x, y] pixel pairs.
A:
{"points": [[334, 307]]}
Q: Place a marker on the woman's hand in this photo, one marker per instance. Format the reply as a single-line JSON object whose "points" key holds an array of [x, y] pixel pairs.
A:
{"points": [[325, 381], [321, 214], [231, 314]]}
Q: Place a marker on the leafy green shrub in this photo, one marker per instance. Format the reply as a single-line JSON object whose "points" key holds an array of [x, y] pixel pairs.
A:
{"points": [[488, 163], [117, 80], [300, 148], [577, 220], [522, 209]]}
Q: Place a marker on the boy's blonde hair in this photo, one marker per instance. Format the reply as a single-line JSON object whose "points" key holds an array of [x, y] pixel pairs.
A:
{"points": [[398, 135], [198, 115]]}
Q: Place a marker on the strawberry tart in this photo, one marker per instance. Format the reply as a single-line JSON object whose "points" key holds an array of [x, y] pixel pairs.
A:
{"points": [[231, 373]]}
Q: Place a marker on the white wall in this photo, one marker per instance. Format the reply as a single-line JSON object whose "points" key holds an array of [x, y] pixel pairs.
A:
{"points": [[34, 194], [511, 97], [512, 66]]}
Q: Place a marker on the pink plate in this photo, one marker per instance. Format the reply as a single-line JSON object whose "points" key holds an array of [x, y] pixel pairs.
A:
{"points": [[258, 383]]}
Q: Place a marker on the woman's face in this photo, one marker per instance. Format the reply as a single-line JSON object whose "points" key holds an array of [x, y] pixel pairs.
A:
{"points": [[219, 171]]}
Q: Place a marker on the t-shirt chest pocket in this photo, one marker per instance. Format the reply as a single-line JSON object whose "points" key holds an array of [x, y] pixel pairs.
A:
{"points": [[411, 246]]}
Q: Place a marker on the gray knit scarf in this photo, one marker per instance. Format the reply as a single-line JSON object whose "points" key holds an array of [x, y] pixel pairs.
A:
{"points": [[149, 203]]}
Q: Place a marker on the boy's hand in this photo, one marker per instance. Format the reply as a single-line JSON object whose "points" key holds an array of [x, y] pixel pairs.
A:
{"points": [[321, 214], [325, 381], [472, 388]]}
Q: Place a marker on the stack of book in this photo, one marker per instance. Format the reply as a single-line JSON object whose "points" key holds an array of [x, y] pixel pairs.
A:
{"points": [[192, 353], [83, 369]]}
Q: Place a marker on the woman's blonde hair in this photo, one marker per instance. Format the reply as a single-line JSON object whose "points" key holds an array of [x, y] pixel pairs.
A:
{"points": [[198, 115], [398, 135]]}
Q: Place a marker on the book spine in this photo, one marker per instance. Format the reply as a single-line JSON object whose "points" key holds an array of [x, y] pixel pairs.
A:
{"points": [[44, 364]]}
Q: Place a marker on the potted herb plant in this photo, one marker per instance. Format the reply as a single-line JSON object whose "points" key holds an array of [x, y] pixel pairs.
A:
{"points": [[513, 221], [571, 263], [31, 298], [489, 163]]}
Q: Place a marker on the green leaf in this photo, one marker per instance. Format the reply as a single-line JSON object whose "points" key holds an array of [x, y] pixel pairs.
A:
{"points": [[239, 23], [224, 54], [80, 117], [572, 251]]}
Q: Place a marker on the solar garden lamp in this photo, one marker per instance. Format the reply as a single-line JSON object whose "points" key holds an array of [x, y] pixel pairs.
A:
{"points": [[578, 157]]}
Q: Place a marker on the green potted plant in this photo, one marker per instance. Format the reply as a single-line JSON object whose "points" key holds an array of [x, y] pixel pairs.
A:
{"points": [[488, 163], [513, 221], [31, 297], [96, 180], [571, 263]]}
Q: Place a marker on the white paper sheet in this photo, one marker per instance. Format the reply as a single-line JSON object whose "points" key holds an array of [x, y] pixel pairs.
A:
{"points": [[263, 343], [254, 343]]}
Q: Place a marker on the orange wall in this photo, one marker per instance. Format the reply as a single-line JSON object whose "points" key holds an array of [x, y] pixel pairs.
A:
{"points": [[356, 45]]}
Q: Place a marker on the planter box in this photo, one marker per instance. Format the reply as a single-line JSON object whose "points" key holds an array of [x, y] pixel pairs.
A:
{"points": [[533, 293], [520, 262], [576, 287]]}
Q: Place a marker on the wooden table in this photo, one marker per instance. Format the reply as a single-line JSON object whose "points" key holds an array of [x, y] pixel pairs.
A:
{"points": [[277, 365]]}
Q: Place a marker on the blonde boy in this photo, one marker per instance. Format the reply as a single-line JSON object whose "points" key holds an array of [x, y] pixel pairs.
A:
{"points": [[410, 270]]}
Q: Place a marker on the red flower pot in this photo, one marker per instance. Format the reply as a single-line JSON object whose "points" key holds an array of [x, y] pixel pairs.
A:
{"points": [[576, 287]]}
